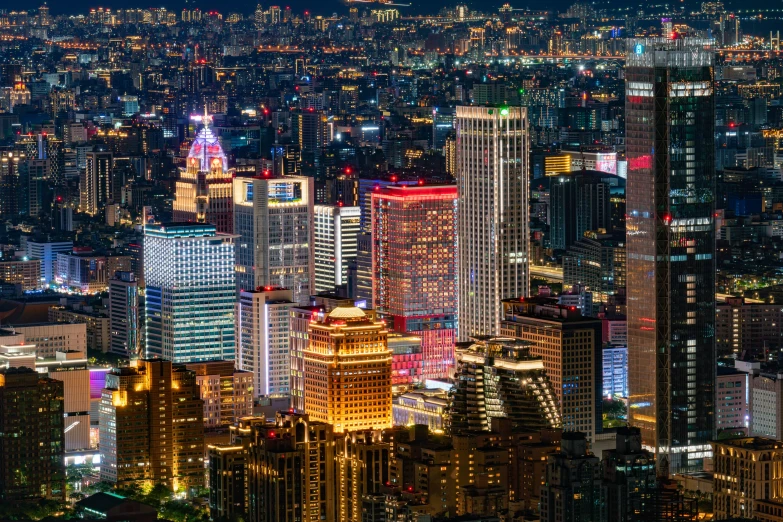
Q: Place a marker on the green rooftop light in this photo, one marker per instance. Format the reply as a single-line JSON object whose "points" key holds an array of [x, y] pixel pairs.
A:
{"points": [[504, 111]]}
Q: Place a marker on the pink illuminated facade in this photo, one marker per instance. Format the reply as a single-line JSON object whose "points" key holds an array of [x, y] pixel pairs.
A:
{"points": [[204, 190], [414, 266]]}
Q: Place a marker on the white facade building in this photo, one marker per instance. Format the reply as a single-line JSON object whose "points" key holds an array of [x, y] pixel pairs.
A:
{"points": [[492, 223], [336, 229], [274, 220], [264, 339]]}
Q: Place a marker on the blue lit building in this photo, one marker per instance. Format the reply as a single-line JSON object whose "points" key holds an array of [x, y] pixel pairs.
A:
{"points": [[615, 366], [191, 292]]}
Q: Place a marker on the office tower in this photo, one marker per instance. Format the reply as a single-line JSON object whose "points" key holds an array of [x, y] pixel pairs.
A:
{"points": [[348, 349], [748, 328], [151, 426], [629, 477], [24, 272], [273, 218], [82, 270], [597, 262], [415, 267], [442, 126], [748, 475], [570, 346], [290, 472], [360, 278], [204, 188], [299, 324], [191, 292], [32, 461], [310, 130], [258, 17], [95, 183], [124, 315], [98, 325], [671, 248], [336, 228], [579, 202], [70, 367], [499, 377], [615, 369], [407, 360], [46, 252], [10, 165], [348, 101], [263, 330], [227, 392], [492, 223], [361, 470], [573, 483]]}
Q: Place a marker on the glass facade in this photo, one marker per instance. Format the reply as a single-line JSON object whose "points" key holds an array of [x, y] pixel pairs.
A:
{"points": [[671, 248], [191, 292]]}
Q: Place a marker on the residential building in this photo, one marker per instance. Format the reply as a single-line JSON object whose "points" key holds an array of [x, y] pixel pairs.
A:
{"points": [[414, 267], [291, 471], [335, 231], [137, 446], [82, 270], [96, 182], [629, 477], [32, 463], [570, 347], [670, 109], [573, 483], [731, 400], [747, 329], [191, 297], [273, 218], [98, 326], [361, 469], [492, 223], [227, 392], [25, 272], [265, 334], [348, 350]]}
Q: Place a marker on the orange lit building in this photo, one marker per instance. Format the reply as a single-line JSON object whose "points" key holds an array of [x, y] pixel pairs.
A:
{"points": [[347, 369], [204, 190]]}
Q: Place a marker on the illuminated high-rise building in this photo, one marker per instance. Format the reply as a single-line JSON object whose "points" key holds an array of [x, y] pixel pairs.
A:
{"points": [[204, 187], [191, 292], [33, 443], [670, 122], [263, 330], [336, 229], [95, 183], [273, 217], [137, 445], [124, 315], [347, 371], [414, 234], [492, 223]]}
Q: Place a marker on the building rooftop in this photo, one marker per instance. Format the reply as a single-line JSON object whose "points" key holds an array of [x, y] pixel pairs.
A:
{"points": [[347, 312], [752, 443]]}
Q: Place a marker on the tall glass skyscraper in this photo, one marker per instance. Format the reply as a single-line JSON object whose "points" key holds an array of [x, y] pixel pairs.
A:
{"points": [[670, 109], [191, 292], [492, 222]]}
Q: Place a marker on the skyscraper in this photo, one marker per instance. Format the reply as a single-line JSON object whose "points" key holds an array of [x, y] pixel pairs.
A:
{"points": [[669, 110], [191, 292], [264, 342], [347, 371], [136, 445], [273, 218], [124, 314], [95, 184], [336, 228], [492, 224], [203, 190], [415, 267]]}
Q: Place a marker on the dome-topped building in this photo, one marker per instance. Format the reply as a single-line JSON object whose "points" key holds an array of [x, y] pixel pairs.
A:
{"points": [[204, 191]]}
